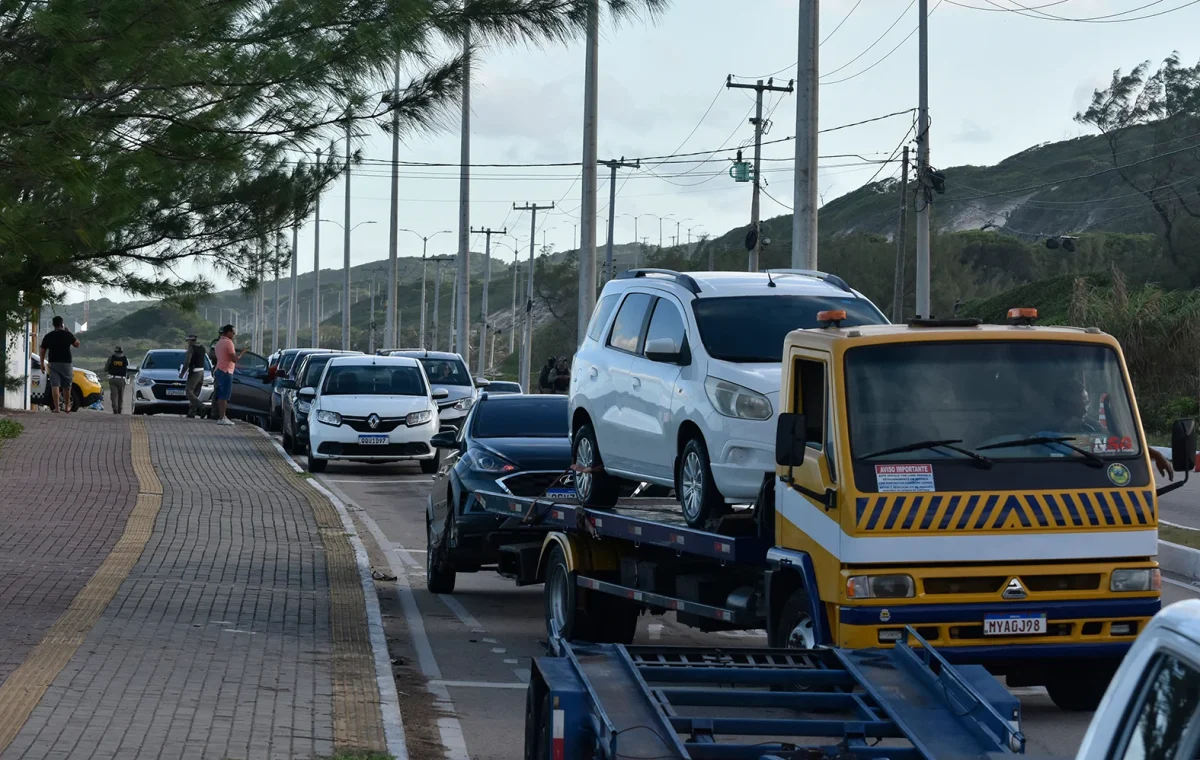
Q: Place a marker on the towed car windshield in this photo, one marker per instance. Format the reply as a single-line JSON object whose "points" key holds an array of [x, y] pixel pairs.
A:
{"points": [[373, 380], [1003, 399], [446, 372], [528, 417], [167, 360], [753, 328]]}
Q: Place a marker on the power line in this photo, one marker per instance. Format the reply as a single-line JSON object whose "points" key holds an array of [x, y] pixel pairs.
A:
{"points": [[792, 65], [873, 44], [1110, 18], [887, 55]]}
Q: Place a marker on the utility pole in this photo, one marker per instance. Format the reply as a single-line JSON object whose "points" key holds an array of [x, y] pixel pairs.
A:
{"points": [[527, 337], [453, 337], [293, 308], [923, 191], [759, 88], [346, 246], [587, 209], [516, 276], [805, 194], [898, 285], [462, 285], [390, 329], [275, 332], [437, 296], [371, 338], [487, 280], [316, 310], [609, 272]]}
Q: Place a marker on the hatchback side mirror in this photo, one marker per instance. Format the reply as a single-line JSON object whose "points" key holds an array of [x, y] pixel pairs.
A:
{"points": [[440, 393], [446, 440], [287, 385], [307, 394], [481, 382]]}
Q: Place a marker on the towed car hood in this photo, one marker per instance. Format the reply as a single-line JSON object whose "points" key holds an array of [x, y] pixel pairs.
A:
{"points": [[764, 378], [362, 406], [531, 453]]}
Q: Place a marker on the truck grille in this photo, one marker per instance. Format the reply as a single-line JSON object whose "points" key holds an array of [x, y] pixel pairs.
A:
{"points": [[971, 585], [992, 584]]}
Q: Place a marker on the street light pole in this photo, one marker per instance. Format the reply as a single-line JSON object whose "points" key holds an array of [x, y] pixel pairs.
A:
{"points": [[346, 247], [424, 269]]}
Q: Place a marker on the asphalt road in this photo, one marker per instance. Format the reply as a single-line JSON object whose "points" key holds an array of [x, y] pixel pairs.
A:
{"points": [[474, 647]]}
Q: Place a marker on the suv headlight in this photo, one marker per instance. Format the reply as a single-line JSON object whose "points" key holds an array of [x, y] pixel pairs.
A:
{"points": [[1136, 579], [329, 418], [143, 380], [464, 404], [880, 587], [485, 462], [418, 418], [734, 400], [91, 376]]}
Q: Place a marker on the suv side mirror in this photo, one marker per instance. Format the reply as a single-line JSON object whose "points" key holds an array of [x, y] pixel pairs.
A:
{"points": [[307, 394], [665, 350], [446, 440], [790, 439], [1183, 445], [481, 382], [439, 394]]}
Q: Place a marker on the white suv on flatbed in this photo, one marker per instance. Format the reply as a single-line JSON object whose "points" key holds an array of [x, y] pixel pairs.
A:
{"points": [[677, 382]]}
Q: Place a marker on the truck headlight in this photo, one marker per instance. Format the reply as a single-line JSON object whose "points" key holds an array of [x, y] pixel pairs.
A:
{"points": [[880, 587], [329, 418], [1136, 579], [418, 418], [734, 400]]}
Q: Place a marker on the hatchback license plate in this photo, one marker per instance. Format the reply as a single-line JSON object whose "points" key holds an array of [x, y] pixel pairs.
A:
{"points": [[561, 493], [373, 440], [1014, 625], [176, 392]]}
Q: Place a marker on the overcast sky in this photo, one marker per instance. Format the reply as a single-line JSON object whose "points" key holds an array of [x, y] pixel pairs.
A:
{"points": [[999, 83]]}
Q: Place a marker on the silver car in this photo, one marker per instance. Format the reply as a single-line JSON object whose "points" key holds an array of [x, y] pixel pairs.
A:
{"points": [[448, 372], [158, 386]]}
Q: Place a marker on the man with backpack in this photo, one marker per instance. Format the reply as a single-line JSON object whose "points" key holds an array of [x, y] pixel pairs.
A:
{"points": [[117, 369]]}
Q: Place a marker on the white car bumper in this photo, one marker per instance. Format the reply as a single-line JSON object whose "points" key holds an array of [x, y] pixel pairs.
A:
{"points": [[741, 452], [344, 442]]}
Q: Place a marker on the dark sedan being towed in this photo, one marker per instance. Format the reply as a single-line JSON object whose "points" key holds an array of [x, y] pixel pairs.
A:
{"points": [[508, 444]]}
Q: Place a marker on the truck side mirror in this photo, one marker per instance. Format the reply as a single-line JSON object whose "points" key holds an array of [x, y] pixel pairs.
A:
{"points": [[790, 439], [1183, 445]]}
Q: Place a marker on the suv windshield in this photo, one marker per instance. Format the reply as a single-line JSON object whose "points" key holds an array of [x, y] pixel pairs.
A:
{"points": [[981, 394], [529, 417], [373, 380], [753, 328], [446, 372], [169, 359]]}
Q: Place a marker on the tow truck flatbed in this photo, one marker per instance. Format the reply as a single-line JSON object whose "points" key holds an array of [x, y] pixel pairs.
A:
{"points": [[613, 701]]}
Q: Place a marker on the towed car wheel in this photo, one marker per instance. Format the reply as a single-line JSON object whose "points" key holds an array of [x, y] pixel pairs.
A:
{"points": [[595, 487], [697, 493]]}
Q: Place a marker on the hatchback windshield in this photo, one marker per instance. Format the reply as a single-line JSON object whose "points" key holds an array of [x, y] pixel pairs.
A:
{"points": [[753, 328], [980, 394], [446, 372], [528, 417], [313, 369], [167, 360], [373, 380]]}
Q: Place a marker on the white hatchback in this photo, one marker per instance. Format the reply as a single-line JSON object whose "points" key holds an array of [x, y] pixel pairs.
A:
{"points": [[677, 381], [372, 409]]}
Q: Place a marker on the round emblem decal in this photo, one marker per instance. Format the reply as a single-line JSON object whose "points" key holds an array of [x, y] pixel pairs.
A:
{"points": [[884, 616], [1119, 474]]}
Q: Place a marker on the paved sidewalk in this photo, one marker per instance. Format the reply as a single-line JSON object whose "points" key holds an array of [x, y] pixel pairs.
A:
{"points": [[226, 621]]}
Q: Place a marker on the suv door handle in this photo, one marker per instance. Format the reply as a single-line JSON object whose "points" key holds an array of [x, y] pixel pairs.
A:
{"points": [[637, 382]]}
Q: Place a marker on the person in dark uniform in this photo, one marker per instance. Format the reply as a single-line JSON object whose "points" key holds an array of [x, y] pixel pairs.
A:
{"points": [[117, 369], [193, 369], [56, 361]]}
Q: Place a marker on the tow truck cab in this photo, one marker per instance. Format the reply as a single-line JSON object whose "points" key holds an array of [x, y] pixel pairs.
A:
{"points": [[988, 485]]}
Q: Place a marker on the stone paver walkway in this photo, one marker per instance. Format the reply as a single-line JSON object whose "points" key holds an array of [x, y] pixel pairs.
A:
{"points": [[238, 632]]}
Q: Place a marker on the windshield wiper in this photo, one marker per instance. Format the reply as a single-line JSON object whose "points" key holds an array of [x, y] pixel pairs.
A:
{"points": [[1088, 457], [979, 459]]}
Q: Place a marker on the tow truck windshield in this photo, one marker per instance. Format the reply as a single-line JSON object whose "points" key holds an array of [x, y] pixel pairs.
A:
{"points": [[1010, 399]]}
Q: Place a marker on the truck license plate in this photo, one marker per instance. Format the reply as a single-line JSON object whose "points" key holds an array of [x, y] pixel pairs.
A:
{"points": [[1014, 625], [373, 440], [176, 392]]}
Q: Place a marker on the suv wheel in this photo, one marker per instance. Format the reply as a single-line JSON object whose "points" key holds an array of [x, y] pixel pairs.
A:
{"points": [[594, 486], [695, 488]]}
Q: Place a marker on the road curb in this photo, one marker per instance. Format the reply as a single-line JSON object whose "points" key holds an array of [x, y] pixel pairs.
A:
{"points": [[1182, 561]]}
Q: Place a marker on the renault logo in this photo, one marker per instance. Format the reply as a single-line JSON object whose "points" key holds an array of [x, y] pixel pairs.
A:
{"points": [[1014, 590], [373, 421]]}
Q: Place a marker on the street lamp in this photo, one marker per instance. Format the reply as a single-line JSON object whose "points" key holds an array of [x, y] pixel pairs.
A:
{"points": [[512, 333], [679, 222], [346, 282], [635, 235], [424, 247]]}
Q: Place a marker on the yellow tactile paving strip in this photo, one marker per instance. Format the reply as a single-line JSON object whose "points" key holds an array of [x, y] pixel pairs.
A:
{"points": [[357, 718], [23, 689]]}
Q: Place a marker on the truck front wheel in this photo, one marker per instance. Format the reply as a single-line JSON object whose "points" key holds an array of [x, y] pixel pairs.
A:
{"points": [[797, 629]]}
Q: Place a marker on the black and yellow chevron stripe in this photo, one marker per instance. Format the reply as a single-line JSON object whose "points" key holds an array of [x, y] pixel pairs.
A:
{"points": [[986, 512]]}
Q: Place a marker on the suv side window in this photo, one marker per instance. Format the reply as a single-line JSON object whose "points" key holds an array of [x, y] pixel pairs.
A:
{"points": [[626, 333], [666, 322], [600, 315], [1163, 724]]}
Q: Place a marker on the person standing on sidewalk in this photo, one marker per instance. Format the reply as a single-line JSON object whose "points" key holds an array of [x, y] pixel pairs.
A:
{"points": [[117, 369], [227, 359], [59, 373], [193, 368]]}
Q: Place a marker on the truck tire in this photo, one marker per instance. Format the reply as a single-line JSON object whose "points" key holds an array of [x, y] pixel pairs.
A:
{"points": [[561, 597], [439, 574], [1079, 689], [596, 488], [797, 629], [695, 488]]}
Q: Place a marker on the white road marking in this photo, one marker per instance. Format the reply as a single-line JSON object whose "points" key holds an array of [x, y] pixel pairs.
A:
{"points": [[1181, 584], [523, 673], [389, 699], [461, 613], [480, 684], [367, 479], [498, 650], [511, 662]]}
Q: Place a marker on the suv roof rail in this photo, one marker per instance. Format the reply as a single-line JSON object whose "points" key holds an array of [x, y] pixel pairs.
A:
{"points": [[832, 279], [683, 279]]}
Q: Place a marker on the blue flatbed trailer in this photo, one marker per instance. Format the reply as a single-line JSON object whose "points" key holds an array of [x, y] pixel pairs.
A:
{"points": [[660, 703]]}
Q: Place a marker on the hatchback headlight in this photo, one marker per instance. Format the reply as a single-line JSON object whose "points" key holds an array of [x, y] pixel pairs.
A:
{"points": [[880, 587], [329, 418], [734, 400], [143, 380], [1136, 579], [487, 462], [418, 418], [463, 404], [303, 407]]}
